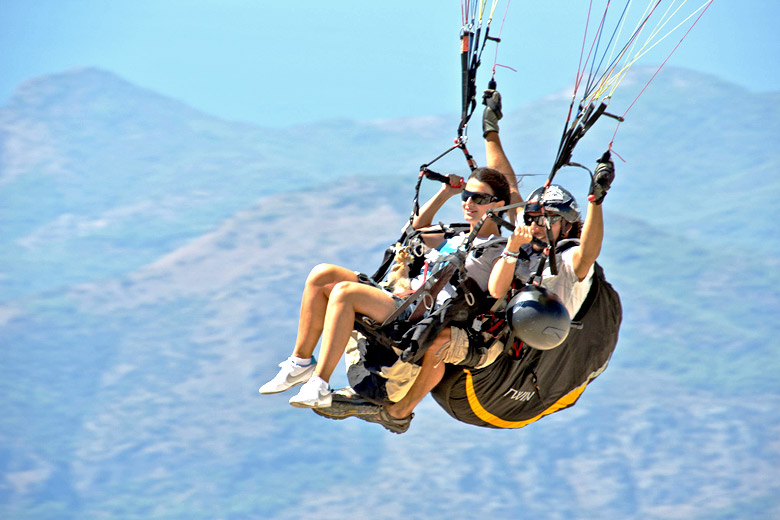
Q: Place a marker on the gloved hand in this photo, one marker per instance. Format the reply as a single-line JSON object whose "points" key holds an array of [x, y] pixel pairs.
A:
{"points": [[492, 101], [602, 179]]}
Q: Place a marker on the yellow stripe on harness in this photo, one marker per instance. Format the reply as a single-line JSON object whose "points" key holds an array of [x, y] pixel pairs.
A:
{"points": [[565, 401]]}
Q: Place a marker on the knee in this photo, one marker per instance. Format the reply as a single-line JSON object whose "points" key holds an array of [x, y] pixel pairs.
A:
{"points": [[324, 277], [320, 273], [342, 291]]}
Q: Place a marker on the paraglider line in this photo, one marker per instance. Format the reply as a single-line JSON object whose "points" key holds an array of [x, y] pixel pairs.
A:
{"points": [[660, 67]]}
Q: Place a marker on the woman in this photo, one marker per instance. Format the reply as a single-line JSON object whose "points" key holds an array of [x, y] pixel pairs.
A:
{"points": [[333, 295]]}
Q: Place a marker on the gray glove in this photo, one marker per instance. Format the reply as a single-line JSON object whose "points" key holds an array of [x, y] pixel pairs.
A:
{"points": [[492, 101], [602, 179]]}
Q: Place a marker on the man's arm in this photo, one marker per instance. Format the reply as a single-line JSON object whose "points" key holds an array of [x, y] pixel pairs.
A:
{"points": [[592, 236], [593, 230]]}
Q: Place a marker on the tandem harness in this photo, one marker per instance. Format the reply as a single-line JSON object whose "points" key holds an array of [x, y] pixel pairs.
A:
{"points": [[406, 340]]}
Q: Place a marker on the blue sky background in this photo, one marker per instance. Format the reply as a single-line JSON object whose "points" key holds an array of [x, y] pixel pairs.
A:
{"points": [[282, 63]]}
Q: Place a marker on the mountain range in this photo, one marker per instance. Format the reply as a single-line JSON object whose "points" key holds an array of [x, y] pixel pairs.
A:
{"points": [[151, 264]]}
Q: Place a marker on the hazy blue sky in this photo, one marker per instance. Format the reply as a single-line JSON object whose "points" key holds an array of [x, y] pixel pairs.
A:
{"points": [[280, 63]]}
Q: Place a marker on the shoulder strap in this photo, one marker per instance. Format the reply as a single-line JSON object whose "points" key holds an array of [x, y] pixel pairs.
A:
{"points": [[477, 251]]}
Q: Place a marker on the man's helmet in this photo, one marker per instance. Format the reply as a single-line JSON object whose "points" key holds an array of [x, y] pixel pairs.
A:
{"points": [[538, 318], [555, 200]]}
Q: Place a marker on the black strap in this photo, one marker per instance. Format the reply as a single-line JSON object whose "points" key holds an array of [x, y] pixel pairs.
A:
{"points": [[593, 292], [571, 136], [436, 281], [441, 280]]}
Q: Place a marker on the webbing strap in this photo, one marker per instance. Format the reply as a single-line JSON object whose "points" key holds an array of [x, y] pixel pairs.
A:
{"points": [[442, 280], [427, 288]]}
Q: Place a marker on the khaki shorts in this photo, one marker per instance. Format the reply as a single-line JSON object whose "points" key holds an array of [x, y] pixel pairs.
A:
{"points": [[401, 375], [457, 349]]}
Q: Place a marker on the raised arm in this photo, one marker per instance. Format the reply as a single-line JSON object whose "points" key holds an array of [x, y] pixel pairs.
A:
{"points": [[589, 249], [434, 204], [593, 229], [494, 151], [497, 159]]}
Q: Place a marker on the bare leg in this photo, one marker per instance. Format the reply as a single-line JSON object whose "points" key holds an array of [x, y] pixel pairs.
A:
{"points": [[319, 285], [429, 376], [346, 299]]}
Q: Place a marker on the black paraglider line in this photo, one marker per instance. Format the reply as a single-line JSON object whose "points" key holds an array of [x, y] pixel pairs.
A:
{"points": [[471, 58]]}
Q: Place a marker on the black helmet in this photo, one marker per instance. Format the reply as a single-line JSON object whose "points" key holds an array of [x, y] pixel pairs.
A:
{"points": [[555, 200], [538, 318]]}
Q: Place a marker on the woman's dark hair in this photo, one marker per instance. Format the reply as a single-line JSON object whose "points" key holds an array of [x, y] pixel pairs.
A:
{"points": [[495, 179]]}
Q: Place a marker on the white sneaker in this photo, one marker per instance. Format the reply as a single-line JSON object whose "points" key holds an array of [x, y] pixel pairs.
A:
{"points": [[315, 393], [291, 374]]}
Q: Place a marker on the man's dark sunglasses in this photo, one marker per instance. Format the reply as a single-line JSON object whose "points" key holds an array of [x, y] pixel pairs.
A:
{"points": [[477, 197], [540, 219]]}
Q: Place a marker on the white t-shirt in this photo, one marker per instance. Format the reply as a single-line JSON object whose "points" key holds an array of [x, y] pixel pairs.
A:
{"points": [[566, 285]]}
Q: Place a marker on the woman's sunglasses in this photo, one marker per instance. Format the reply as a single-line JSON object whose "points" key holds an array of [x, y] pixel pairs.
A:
{"points": [[477, 197]]}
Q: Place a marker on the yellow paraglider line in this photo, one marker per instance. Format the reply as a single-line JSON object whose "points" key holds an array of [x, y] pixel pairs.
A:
{"points": [[703, 9], [612, 79], [609, 77], [645, 49], [602, 84]]}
